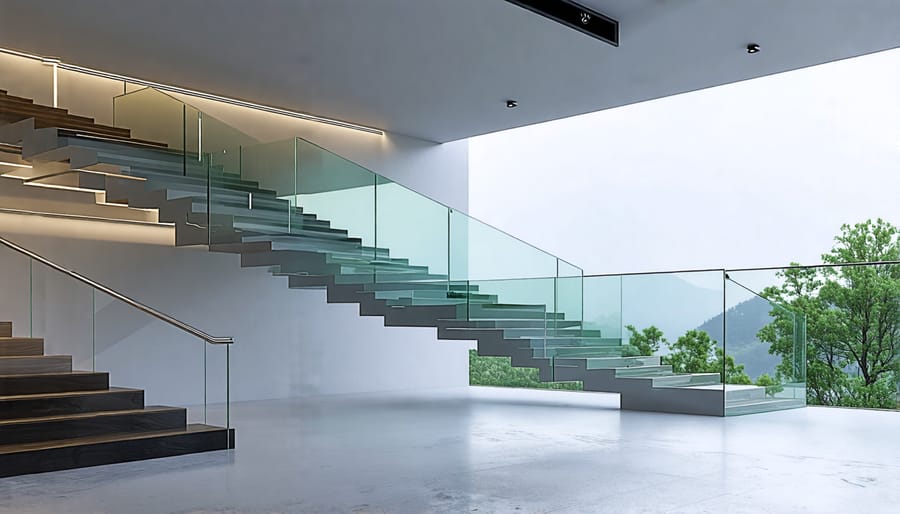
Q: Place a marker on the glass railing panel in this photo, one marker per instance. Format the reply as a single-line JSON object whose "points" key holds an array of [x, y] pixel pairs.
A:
{"points": [[569, 297], [16, 295], [88, 95], [122, 337], [524, 308], [675, 304], [268, 171], [481, 252], [155, 116], [62, 314], [27, 78], [763, 345], [415, 229], [337, 190], [602, 307], [663, 327], [223, 143], [231, 197]]}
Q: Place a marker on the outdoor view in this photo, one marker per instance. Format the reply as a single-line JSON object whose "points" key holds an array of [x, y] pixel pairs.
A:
{"points": [[852, 316]]}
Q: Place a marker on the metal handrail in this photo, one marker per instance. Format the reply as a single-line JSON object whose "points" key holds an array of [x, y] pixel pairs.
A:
{"points": [[119, 296]]}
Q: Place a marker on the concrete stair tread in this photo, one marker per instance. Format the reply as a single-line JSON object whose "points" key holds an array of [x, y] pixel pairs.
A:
{"points": [[656, 370], [639, 359], [759, 406], [759, 401], [81, 441], [729, 387], [679, 380]]}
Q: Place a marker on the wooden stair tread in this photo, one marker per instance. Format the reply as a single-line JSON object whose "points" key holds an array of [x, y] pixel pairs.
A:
{"points": [[46, 112], [52, 374], [118, 139], [2, 358], [48, 117], [68, 394], [86, 415], [81, 441]]}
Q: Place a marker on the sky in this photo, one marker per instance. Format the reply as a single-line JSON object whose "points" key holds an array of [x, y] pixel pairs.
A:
{"points": [[756, 173]]}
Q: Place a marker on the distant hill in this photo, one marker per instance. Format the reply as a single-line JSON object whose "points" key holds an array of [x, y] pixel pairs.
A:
{"points": [[744, 321]]}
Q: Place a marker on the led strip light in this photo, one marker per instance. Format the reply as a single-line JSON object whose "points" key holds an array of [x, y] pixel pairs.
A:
{"points": [[59, 64]]}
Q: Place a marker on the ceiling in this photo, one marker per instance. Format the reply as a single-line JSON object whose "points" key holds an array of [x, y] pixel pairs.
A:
{"points": [[442, 70]]}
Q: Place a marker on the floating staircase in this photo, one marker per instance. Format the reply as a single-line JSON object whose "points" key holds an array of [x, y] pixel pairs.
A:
{"points": [[54, 418], [269, 231]]}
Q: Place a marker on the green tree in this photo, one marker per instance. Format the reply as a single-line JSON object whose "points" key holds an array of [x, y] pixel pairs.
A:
{"points": [[852, 316], [772, 384], [647, 341], [497, 371], [695, 352]]}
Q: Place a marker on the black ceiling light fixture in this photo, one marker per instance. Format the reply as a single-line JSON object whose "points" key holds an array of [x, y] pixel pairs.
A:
{"points": [[575, 16], [511, 104], [753, 48]]}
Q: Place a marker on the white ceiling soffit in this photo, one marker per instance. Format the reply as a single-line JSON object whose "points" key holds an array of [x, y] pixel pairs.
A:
{"points": [[443, 69]]}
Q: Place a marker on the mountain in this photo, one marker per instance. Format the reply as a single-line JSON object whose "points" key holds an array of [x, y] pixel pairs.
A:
{"points": [[743, 322]]}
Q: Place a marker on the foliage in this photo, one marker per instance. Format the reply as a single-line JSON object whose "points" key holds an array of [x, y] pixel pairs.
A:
{"points": [[647, 341], [773, 386], [695, 352], [852, 315], [497, 371], [880, 395]]}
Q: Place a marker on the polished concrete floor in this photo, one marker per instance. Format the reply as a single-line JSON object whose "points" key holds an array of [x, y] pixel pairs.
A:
{"points": [[490, 450]]}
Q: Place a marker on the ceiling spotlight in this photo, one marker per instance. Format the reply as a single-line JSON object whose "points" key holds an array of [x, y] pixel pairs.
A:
{"points": [[511, 104], [753, 48]]}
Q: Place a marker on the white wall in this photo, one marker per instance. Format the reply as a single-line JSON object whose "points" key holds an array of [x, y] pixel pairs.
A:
{"points": [[762, 172], [288, 342]]}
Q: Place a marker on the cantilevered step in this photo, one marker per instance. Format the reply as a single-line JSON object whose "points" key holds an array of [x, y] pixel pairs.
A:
{"points": [[5, 328], [569, 352], [68, 403], [49, 428], [680, 380], [21, 346], [49, 383], [40, 457], [742, 407], [15, 194], [658, 370], [740, 393], [35, 364]]}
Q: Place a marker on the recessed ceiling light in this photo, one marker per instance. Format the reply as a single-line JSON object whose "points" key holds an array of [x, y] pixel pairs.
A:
{"points": [[511, 104], [753, 48]]}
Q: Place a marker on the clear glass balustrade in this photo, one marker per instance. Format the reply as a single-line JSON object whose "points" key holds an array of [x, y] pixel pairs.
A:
{"points": [[326, 219]]}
